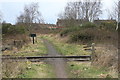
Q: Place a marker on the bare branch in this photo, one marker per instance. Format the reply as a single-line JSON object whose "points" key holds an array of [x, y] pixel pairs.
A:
{"points": [[31, 14], [82, 10]]}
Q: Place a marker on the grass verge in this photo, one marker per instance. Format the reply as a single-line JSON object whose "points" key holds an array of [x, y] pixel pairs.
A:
{"points": [[78, 69], [38, 70], [30, 49], [66, 48], [85, 70]]}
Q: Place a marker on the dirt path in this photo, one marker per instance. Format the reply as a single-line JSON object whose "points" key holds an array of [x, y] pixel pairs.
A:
{"points": [[57, 63]]}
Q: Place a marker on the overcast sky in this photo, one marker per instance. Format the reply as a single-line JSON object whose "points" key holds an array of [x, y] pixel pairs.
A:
{"points": [[49, 9]]}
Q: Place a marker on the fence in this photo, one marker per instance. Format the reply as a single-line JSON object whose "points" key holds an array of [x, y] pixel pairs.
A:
{"points": [[92, 49]]}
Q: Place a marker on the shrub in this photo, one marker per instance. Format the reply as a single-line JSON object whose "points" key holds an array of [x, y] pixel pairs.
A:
{"points": [[20, 29], [109, 25], [5, 28], [82, 36], [69, 30], [88, 25], [64, 32], [77, 28], [12, 29]]}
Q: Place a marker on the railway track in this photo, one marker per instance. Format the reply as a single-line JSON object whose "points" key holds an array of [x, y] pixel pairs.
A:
{"points": [[43, 58]]}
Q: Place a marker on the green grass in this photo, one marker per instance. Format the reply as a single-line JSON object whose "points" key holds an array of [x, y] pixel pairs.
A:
{"points": [[66, 48], [40, 70], [36, 49], [78, 69], [85, 70]]}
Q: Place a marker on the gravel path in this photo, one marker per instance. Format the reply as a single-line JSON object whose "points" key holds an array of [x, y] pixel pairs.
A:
{"points": [[57, 63]]}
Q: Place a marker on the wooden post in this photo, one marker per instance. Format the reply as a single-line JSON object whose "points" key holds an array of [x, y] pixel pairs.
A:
{"points": [[14, 43], [33, 35], [33, 40], [36, 39], [93, 53]]}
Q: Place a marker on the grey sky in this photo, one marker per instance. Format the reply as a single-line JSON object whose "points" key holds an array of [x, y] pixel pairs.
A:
{"points": [[48, 8]]}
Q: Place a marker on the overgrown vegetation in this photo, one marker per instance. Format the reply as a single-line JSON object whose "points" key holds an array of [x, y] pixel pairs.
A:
{"points": [[104, 35], [90, 32], [11, 69], [103, 67], [66, 48], [69, 30], [111, 26], [8, 29], [85, 70], [88, 25], [30, 49], [12, 33], [26, 69]]}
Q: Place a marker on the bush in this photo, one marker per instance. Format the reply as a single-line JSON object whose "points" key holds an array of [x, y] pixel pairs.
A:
{"points": [[77, 28], [69, 30], [12, 29], [5, 28], [88, 25], [109, 25], [82, 36], [20, 29]]}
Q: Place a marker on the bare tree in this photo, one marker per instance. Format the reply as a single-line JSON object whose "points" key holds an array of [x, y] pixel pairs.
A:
{"points": [[21, 19], [89, 10], [31, 14], [115, 12]]}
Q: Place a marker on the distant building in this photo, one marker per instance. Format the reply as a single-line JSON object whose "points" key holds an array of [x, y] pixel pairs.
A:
{"points": [[55, 27], [65, 22], [104, 21], [46, 25]]}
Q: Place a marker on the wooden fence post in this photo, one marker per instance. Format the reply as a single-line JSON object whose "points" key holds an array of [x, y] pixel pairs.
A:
{"points": [[14, 43], [93, 53]]}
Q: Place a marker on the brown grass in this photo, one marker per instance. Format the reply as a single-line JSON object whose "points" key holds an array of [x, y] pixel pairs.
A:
{"points": [[8, 40], [107, 56], [11, 69]]}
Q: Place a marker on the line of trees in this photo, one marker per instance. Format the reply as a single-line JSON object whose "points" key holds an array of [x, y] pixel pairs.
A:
{"points": [[30, 15], [89, 10]]}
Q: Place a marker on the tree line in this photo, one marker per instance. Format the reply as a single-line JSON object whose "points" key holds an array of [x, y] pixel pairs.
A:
{"points": [[89, 10], [82, 10], [85, 10]]}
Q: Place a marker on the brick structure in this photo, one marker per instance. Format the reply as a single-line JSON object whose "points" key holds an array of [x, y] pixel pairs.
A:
{"points": [[66, 22], [98, 22]]}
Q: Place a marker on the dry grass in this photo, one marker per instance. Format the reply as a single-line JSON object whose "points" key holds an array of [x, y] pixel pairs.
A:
{"points": [[11, 69], [107, 56], [10, 38], [29, 49]]}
